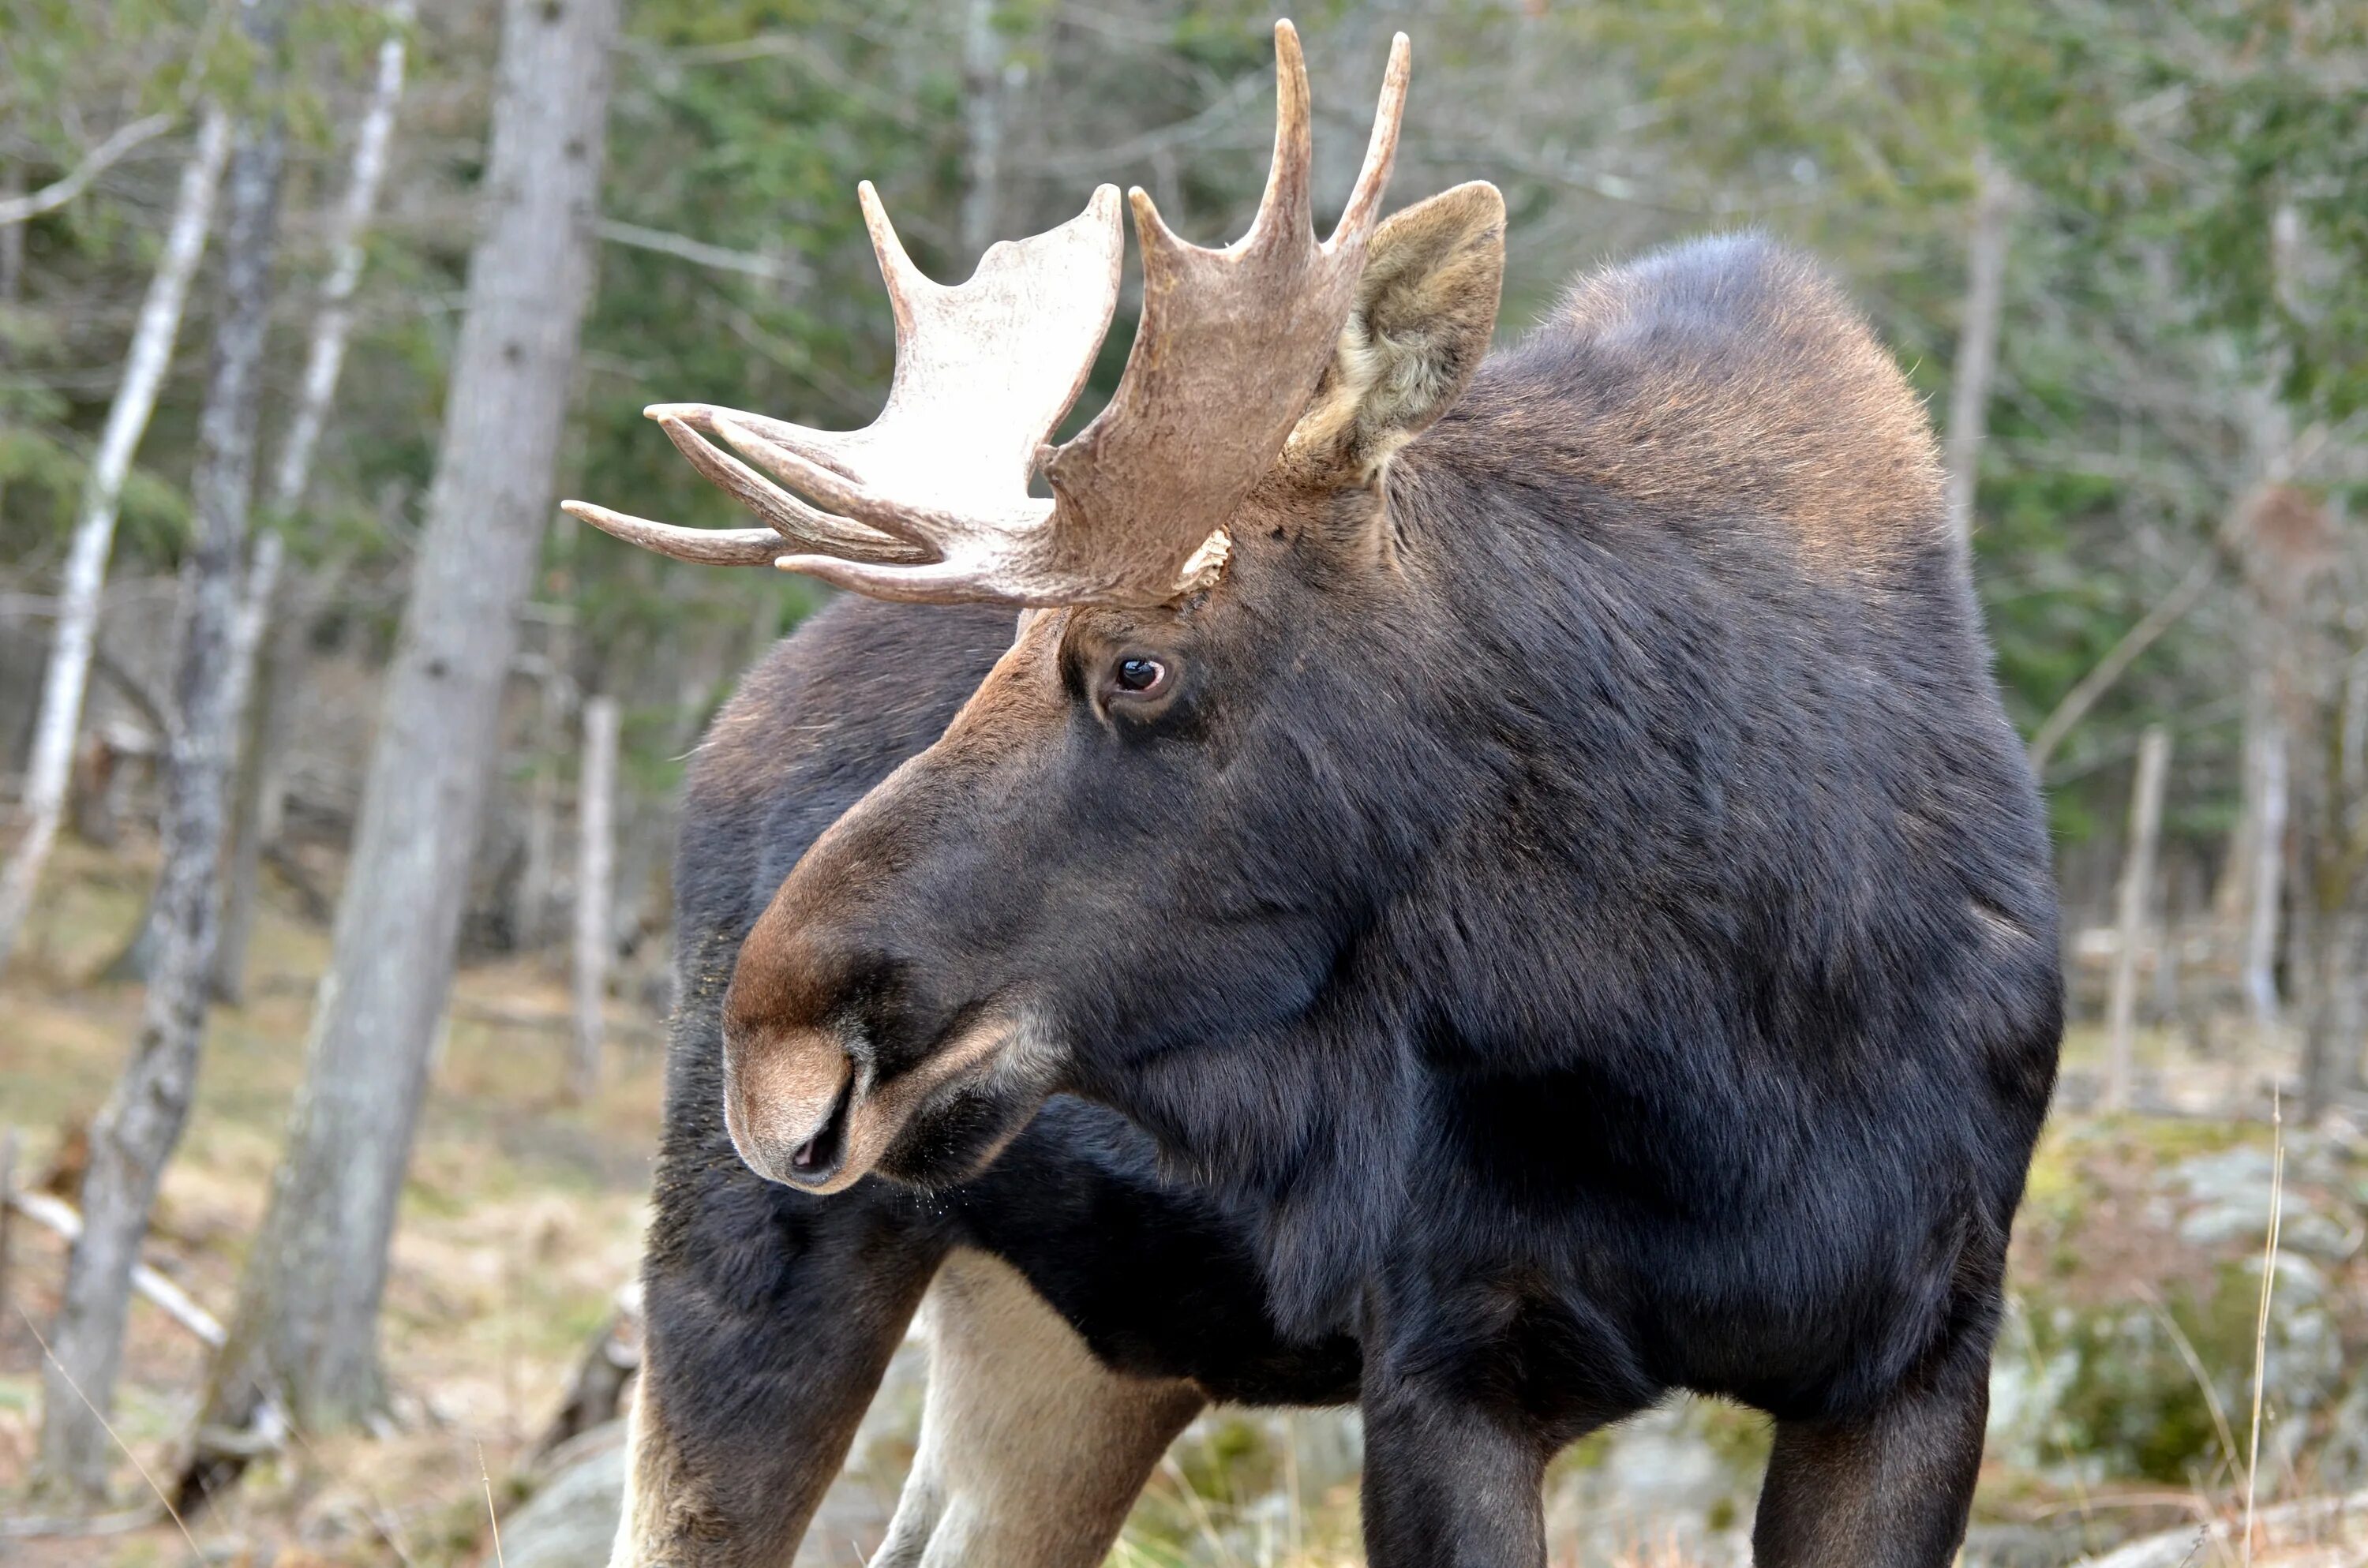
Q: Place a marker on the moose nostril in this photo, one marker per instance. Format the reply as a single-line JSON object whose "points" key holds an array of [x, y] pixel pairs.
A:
{"points": [[790, 1102], [819, 1155]]}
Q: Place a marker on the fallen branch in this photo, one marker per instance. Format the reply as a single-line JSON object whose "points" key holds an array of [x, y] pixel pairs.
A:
{"points": [[45, 1211], [105, 156], [2315, 1521], [128, 1519]]}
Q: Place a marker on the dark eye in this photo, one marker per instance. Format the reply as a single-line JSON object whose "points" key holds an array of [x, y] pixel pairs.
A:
{"points": [[1140, 675]]}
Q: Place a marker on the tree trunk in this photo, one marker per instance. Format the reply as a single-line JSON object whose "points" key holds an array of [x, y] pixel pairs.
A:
{"points": [[1977, 341], [334, 323], [67, 675], [248, 624], [12, 237], [2137, 884], [306, 1323], [2265, 849], [595, 837], [259, 772], [531, 899], [981, 125], [141, 1122]]}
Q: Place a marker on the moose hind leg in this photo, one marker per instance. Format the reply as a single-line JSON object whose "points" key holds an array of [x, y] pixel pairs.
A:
{"points": [[1890, 1490], [1031, 1450]]}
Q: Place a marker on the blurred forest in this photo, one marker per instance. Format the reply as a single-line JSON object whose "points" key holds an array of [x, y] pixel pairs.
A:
{"points": [[2120, 244]]}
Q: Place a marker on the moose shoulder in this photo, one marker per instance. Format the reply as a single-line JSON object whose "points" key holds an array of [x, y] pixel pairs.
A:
{"points": [[1537, 839]]}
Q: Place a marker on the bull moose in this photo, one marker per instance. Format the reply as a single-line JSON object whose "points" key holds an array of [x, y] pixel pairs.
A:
{"points": [[1497, 886]]}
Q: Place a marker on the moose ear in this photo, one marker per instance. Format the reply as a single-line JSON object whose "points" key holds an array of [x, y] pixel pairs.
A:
{"points": [[1425, 306]]}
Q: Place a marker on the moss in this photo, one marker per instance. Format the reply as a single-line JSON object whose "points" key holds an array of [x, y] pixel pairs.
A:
{"points": [[2134, 1405], [1589, 1453], [1740, 1438], [1233, 1461]]}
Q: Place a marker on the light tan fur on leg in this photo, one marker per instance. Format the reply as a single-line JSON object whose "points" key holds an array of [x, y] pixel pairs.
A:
{"points": [[1032, 1451], [641, 1537]]}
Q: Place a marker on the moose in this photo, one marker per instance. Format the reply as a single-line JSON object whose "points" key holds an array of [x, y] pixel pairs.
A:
{"points": [[1494, 886]]}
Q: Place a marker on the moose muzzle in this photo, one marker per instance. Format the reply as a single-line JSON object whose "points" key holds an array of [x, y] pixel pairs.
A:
{"points": [[789, 1102]]}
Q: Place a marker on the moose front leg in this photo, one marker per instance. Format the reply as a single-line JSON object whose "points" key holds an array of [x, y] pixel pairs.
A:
{"points": [[772, 1319]]}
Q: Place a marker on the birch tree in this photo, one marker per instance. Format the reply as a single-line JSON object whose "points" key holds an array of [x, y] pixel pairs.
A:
{"points": [[324, 358], [140, 1124], [1977, 341], [2136, 889], [982, 126], [66, 678], [306, 1329]]}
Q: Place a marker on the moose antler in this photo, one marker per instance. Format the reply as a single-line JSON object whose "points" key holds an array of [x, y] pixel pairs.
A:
{"points": [[930, 502]]}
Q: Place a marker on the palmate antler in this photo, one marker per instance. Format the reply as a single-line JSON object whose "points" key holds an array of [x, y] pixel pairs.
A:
{"points": [[930, 501]]}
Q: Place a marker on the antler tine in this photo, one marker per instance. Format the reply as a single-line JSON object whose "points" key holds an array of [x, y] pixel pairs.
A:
{"points": [[1365, 208], [708, 547], [896, 270], [1283, 207], [795, 521]]}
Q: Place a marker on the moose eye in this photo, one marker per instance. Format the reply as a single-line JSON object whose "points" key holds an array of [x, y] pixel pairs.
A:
{"points": [[1140, 677]]}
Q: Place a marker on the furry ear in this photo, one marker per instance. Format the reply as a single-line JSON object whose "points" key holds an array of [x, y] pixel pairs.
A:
{"points": [[1425, 307]]}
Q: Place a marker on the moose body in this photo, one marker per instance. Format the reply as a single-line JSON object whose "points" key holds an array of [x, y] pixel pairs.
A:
{"points": [[1551, 879]]}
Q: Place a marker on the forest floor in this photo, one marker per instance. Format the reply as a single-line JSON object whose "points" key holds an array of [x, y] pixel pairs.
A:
{"points": [[2122, 1399]]}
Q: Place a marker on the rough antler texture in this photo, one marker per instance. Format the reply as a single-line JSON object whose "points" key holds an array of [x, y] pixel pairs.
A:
{"points": [[930, 502]]}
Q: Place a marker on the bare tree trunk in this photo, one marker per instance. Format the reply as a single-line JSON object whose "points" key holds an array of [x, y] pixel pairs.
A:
{"points": [[7, 1208], [983, 125], [306, 1324], [67, 675], [1977, 341], [248, 624], [2330, 936], [2266, 849], [332, 325], [531, 899], [2137, 884], [595, 836], [141, 1122], [12, 238]]}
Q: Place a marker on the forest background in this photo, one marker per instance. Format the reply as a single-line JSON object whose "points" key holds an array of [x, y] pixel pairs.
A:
{"points": [[2119, 246]]}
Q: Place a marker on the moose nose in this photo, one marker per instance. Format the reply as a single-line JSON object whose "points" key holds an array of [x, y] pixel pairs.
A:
{"points": [[788, 1095]]}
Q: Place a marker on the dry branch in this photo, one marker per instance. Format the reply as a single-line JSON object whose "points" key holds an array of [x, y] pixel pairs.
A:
{"points": [[2117, 661], [105, 156], [59, 1216], [698, 252]]}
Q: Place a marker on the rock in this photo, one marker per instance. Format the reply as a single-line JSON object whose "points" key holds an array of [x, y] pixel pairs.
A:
{"points": [[572, 1518]]}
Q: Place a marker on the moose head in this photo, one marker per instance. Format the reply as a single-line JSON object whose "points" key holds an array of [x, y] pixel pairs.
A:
{"points": [[1194, 777]]}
